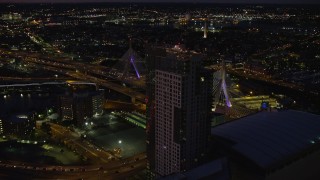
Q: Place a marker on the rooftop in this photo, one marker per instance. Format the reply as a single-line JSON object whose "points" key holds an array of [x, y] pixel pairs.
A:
{"points": [[215, 169], [181, 53], [268, 138]]}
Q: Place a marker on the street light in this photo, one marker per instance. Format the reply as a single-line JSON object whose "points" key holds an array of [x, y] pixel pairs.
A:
{"points": [[119, 141]]}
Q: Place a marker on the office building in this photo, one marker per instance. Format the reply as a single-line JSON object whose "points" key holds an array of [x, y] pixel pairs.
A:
{"points": [[81, 102], [19, 125], [153, 55], [182, 91], [1, 127], [66, 109], [98, 102]]}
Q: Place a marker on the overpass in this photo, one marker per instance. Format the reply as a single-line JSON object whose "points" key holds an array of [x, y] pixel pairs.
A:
{"points": [[134, 95], [70, 68]]}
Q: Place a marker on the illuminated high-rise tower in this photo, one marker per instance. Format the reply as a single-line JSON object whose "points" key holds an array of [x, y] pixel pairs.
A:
{"points": [[182, 90], [153, 55]]}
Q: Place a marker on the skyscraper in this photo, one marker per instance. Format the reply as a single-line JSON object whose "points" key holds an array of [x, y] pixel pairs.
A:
{"points": [[182, 91], [153, 55]]}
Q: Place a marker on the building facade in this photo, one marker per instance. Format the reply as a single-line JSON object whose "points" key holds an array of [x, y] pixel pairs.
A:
{"points": [[182, 91], [79, 106], [19, 125], [153, 55]]}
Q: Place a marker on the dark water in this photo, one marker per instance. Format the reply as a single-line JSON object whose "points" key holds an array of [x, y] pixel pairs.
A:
{"points": [[17, 103]]}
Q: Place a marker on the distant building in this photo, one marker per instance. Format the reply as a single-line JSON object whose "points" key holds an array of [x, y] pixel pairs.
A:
{"points": [[66, 109], [72, 100], [1, 127], [21, 125], [82, 108], [12, 17], [98, 102], [182, 91], [81, 103]]}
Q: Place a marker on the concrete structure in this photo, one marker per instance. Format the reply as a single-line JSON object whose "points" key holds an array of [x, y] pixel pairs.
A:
{"points": [[182, 93], [272, 145]]}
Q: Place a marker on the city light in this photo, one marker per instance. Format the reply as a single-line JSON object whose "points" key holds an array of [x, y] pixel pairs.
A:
{"points": [[74, 84]]}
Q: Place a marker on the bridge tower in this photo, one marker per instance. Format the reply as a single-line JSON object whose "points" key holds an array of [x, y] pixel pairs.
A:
{"points": [[221, 95], [130, 65], [222, 102]]}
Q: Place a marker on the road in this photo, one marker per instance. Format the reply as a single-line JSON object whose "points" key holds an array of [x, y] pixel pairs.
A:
{"points": [[75, 69], [103, 172], [260, 77], [103, 167], [116, 87], [81, 146]]}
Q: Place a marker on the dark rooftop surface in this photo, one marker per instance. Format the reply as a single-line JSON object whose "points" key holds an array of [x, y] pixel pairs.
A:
{"points": [[215, 169], [270, 137]]}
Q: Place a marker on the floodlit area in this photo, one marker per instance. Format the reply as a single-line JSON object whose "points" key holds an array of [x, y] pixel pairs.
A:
{"points": [[113, 131], [61, 154]]}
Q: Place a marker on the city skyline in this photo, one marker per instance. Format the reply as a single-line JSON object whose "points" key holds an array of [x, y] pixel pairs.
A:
{"points": [[168, 1], [159, 90]]}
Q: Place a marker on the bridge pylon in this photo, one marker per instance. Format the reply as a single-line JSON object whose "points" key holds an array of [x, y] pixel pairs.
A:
{"points": [[130, 65]]}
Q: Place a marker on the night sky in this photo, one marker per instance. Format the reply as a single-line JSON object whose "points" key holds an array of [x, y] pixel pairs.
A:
{"points": [[211, 1]]}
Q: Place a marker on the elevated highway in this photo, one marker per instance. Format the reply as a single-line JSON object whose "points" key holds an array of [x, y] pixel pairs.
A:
{"points": [[77, 70]]}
